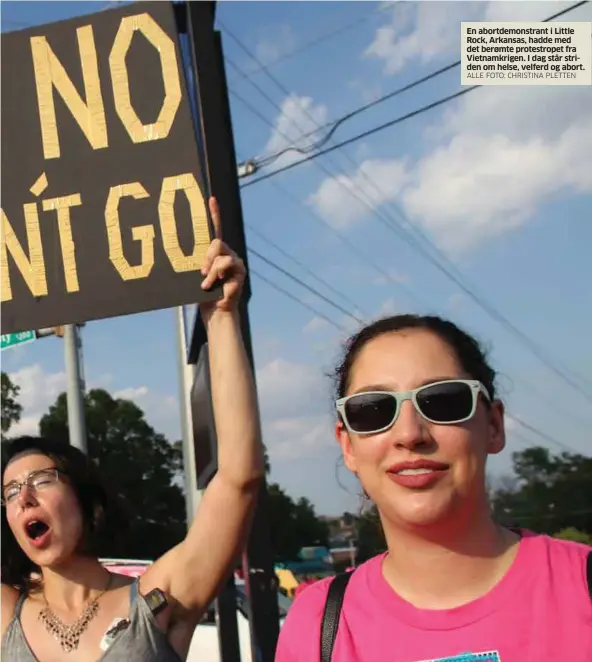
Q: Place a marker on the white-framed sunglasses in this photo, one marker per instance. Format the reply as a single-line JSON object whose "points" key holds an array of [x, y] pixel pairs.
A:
{"points": [[446, 402]]}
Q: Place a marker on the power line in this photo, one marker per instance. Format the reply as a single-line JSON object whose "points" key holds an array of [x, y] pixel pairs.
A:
{"points": [[300, 282], [360, 136], [348, 243], [311, 213], [293, 297], [468, 291], [529, 387], [335, 124], [303, 266], [541, 434], [314, 42], [527, 426], [551, 402], [531, 428], [258, 114], [407, 235]]}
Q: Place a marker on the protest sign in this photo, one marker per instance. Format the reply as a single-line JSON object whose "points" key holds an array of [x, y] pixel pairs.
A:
{"points": [[103, 205]]}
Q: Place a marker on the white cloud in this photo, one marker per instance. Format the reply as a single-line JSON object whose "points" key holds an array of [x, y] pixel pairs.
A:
{"points": [[39, 390], [425, 31], [394, 276], [277, 42], [388, 307], [477, 187], [523, 11], [368, 92], [316, 324], [290, 438], [516, 112], [510, 423], [287, 389], [344, 200], [295, 401], [131, 393], [297, 123], [456, 301], [422, 31], [493, 160], [505, 153]]}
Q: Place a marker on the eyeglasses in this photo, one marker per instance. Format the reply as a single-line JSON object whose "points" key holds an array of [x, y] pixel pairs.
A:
{"points": [[445, 403], [35, 481]]}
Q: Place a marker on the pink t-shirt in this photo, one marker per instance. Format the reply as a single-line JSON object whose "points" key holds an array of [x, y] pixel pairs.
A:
{"points": [[539, 612]]}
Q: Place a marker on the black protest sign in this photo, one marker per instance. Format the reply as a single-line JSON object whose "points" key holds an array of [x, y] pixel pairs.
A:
{"points": [[103, 206]]}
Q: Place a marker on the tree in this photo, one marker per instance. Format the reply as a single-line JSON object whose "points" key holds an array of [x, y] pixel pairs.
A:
{"points": [[139, 463], [348, 519], [551, 493], [572, 533], [293, 525], [266, 462], [371, 540], [11, 409]]}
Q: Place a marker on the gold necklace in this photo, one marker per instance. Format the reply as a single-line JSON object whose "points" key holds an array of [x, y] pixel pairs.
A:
{"points": [[68, 636]]}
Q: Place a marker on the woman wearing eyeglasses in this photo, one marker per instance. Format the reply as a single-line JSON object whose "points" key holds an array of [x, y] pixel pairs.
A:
{"points": [[59, 603], [417, 418]]}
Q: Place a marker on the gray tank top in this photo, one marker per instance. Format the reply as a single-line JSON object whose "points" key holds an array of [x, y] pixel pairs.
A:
{"points": [[141, 641]]}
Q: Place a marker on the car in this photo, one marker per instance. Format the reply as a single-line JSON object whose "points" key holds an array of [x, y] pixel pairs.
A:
{"points": [[204, 645]]}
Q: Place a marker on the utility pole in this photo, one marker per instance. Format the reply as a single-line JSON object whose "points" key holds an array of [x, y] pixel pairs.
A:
{"points": [[186, 374], [258, 562], [202, 14], [75, 386]]}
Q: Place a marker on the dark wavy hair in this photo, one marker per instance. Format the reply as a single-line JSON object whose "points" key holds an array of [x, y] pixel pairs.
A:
{"points": [[104, 515], [468, 351]]}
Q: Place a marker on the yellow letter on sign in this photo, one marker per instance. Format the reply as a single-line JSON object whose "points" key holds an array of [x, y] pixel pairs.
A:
{"points": [[62, 206], [32, 268], [50, 73], [143, 233], [139, 132], [168, 226]]}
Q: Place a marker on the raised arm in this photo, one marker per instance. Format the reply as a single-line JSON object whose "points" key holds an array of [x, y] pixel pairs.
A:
{"points": [[192, 573]]}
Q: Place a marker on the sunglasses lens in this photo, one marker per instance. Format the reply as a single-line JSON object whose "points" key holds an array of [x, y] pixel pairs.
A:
{"points": [[368, 412], [445, 403]]}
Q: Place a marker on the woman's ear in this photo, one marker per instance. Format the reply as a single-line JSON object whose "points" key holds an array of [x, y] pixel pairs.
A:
{"points": [[497, 430], [344, 440]]}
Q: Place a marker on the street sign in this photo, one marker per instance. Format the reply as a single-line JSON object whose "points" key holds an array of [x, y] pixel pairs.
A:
{"points": [[12, 339]]}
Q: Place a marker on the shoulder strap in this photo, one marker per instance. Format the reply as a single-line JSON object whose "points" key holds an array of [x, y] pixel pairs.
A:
{"points": [[18, 607], [332, 612], [589, 573]]}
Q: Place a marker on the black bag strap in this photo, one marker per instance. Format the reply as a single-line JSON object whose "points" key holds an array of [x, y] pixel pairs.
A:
{"points": [[333, 605], [589, 574]]}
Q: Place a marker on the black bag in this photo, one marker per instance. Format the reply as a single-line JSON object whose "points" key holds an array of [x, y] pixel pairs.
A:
{"points": [[334, 603]]}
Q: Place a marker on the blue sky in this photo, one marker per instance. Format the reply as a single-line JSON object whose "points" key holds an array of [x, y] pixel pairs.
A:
{"points": [[500, 180]]}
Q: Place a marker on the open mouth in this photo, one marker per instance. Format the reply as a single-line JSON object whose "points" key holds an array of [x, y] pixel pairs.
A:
{"points": [[36, 528]]}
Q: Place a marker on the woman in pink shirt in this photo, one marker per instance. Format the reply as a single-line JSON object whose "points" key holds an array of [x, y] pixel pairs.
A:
{"points": [[417, 419]]}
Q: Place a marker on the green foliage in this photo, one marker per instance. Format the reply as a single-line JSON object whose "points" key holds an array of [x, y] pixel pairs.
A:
{"points": [[551, 492], [571, 533], [11, 409], [293, 525], [371, 540]]}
